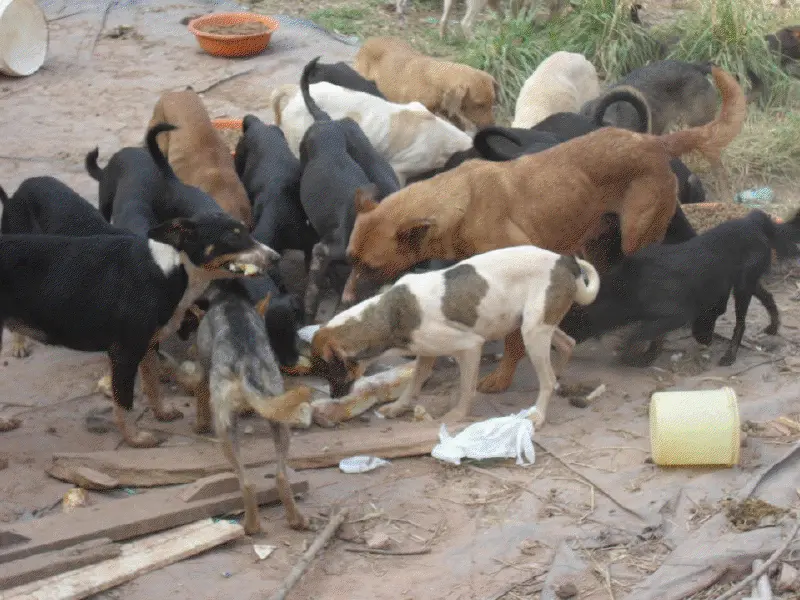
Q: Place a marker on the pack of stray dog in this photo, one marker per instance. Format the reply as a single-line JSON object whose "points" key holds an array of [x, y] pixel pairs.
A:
{"points": [[436, 229]]}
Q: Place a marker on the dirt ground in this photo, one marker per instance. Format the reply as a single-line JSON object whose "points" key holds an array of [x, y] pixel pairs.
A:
{"points": [[488, 528]]}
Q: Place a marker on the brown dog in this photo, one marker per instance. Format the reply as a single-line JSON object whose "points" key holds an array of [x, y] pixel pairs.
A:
{"points": [[198, 154], [554, 199], [464, 95]]}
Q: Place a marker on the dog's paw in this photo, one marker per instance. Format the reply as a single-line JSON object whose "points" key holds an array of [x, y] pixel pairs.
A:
{"points": [[168, 414], [103, 386], [537, 418], [455, 415], [143, 439], [771, 329], [20, 348], [727, 360], [394, 409], [494, 383]]}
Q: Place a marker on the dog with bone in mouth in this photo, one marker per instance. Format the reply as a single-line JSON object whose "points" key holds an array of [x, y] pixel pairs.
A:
{"points": [[454, 311]]}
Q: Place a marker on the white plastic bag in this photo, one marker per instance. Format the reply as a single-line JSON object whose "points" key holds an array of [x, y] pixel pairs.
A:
{"points": [[500, 437], [361, 464]]}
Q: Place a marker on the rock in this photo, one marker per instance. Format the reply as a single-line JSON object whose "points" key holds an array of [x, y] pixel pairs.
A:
{"points": [[567, 590], [788, 579], [379, 541]]}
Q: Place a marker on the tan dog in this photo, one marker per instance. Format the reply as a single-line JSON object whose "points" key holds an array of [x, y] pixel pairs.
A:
{"points": [[460, 93], [197, 153], [554, 199]]}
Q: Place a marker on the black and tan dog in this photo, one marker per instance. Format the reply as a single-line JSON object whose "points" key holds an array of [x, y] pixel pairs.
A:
{"points": [[132, 291]]}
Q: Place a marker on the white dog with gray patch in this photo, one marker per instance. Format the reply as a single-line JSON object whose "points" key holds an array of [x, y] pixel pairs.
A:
{"points": [[453, 312], [562, 82]]}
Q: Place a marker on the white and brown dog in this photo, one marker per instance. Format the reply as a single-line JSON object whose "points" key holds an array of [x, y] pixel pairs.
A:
{"points": [[453, 312]]}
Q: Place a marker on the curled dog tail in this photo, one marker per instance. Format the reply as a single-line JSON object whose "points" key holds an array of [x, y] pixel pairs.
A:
{"points": [[712, 138], [316, 111], [278, 97], [90, 162], [152, 146], [481, 143], [292, 407], [586, 292], [629, 94]]}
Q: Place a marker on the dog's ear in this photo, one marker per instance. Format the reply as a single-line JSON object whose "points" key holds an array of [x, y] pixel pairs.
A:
{"points": [[413, 232], [263, 305], [365, 198], [175, 232]]}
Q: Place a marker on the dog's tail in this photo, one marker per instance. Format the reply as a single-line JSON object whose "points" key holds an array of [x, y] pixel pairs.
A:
{"points": [[90, 162], [278, 97], [316, 111], [629, 94], [712, 138], [155, 152], [513, 146], [292, 407], [3, 196], [588, 283], [783, 237]]}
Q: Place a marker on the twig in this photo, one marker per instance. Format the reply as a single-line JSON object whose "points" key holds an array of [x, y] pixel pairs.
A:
{"points": [[588, 480], [764, 567], [760, 364], [297, 572], [753, 485], [502, 479], [67, 16], [423, 550], [111, 4], [24, 158], [223, 80]]}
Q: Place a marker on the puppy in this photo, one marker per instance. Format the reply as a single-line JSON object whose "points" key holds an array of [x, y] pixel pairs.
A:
{"points": [[678, 94], [238, 372], [409, 136], [345, 76], [130, 186], [377, 169], [664, 287], [45, 205], [455, 312], [133, 291], [786, 44], [482, 205], [464, 95], [563, 82], [197, 153]]}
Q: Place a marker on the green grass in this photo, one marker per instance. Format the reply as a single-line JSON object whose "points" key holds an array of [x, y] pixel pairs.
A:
{"points": [[347, 20]]}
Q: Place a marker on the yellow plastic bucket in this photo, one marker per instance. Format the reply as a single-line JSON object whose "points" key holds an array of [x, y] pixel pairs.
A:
{"points": [[695, 428]]}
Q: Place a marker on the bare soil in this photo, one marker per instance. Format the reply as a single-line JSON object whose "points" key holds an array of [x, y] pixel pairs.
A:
{"points": [[492, 530]]}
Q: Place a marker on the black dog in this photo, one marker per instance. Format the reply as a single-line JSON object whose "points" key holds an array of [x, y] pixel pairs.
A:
{"points": [[121, 294], [343, 75], [664, 287], [337, 162], [130, 187]]}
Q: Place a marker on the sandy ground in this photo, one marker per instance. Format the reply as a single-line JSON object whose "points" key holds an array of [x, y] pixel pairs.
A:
{"points": [[484, 533]]}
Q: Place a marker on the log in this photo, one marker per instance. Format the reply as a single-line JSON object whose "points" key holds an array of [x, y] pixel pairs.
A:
{"points": [[126, 518], [136, 558]]}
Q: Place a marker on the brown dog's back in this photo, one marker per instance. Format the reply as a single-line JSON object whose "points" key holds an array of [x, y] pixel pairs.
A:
{"points": [[197, 153]]}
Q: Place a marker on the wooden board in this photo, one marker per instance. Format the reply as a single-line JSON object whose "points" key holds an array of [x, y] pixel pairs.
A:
{"points": [[126, 518], [40, 566], [136, 558], [184, 464]]}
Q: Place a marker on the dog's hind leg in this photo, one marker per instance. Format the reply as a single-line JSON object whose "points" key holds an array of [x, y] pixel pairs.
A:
{"points": [[123, 376], [500, 379], [703, 327], [149, 370], [447, 9], [564, 345], [537, 343], [226, 427], [741, 297], [422, 371], [469, 364], [20, 346], [282, 438], [768, 302]]}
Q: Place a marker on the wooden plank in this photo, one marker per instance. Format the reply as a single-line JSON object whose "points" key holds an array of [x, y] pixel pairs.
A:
{"points": [[90, 479], [208, 487], [184, 464], [126, 518], [136, 558], [33, 568]]}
